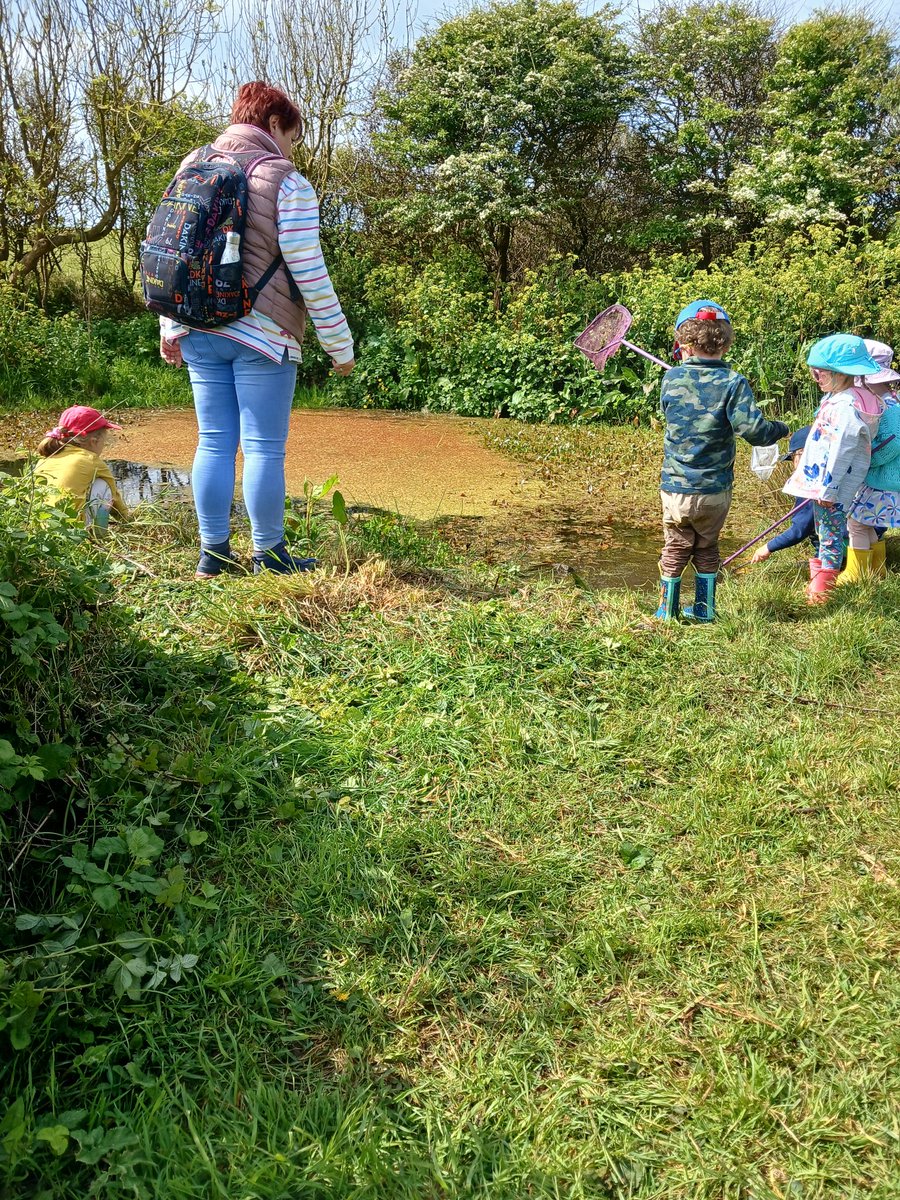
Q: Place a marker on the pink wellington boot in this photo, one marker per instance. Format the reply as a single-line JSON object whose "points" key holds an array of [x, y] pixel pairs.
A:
{"points": [[815, 566], [821, 585]]}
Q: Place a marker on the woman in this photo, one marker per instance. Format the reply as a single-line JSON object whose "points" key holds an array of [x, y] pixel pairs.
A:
{"points": [[243, 374]]}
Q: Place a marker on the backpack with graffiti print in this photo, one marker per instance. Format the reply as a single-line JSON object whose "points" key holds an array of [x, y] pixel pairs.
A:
{"points": [[191, 262]]}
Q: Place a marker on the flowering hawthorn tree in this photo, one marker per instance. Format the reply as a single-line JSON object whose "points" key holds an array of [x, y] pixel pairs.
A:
{"points": [[496, 111]]}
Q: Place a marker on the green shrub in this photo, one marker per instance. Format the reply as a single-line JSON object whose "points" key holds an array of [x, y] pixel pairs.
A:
{"points": [[46, 358], [51, 583], [55, 361], [432, 339], [103, 293]]}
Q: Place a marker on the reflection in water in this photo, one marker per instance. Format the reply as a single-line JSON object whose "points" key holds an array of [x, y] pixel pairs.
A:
{"points": [[136, 481], [139, 482], [556, 540], [552, 540]]}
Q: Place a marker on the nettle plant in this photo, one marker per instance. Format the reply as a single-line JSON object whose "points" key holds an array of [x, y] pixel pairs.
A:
{"points": [[52, 583], [120, 762], [50, 587]]}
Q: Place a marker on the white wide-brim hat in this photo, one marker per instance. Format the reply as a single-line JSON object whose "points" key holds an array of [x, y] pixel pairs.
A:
{"points": [[884, 356]]}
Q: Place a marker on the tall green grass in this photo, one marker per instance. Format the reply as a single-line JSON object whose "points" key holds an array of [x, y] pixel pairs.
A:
{"points": [[50, 362], [494, 891], [53, 361]]}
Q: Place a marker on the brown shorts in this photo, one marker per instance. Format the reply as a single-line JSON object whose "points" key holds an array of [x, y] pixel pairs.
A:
{"points": [[691, 527]]}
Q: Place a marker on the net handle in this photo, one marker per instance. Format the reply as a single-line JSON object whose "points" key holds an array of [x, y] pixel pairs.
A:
{"points": [[646, 354]]}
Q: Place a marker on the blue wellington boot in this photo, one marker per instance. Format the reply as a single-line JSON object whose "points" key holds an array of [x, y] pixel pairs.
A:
{"points": [[277, 559], [669, 599], [704, 606], [214, 560]]}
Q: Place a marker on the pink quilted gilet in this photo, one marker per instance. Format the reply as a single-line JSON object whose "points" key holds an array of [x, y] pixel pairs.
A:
{"points": [[261, 231]]}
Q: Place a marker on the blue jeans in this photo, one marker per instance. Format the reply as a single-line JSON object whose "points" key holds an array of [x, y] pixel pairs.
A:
{"points": [[242, 399]]}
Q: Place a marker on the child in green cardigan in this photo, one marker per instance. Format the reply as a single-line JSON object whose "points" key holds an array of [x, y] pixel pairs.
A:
{"points": [[877, 503]]}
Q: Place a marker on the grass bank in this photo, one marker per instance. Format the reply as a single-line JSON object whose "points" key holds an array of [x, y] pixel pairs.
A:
{"points": [[410, 881], [50, 362]]}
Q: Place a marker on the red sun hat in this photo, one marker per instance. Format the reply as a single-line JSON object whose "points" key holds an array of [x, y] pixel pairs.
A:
{"points": [[79, 420]]}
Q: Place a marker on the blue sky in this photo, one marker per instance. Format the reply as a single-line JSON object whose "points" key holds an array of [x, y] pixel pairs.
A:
{"points": [[787, 11]]}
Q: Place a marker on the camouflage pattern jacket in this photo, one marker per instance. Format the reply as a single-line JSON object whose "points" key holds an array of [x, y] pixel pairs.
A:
{"points": [[705, 404]]}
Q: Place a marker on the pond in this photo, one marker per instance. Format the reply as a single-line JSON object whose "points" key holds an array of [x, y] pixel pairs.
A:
{"points": [[434, 469], [136, 481]]}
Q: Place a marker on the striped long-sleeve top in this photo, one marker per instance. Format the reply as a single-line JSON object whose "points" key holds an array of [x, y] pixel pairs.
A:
{"points": [[298, 237]]}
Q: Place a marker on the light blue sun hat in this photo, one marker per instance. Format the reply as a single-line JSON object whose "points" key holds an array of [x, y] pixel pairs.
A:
{"points": [[690, 311], [844, 353]]}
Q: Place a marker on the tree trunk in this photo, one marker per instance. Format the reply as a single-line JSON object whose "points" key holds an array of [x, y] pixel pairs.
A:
{"points": [[501, 245], [123, 235], [47, 243], [706, 247]]}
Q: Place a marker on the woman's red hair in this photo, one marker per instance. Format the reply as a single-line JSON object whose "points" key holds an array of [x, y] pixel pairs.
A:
{"points": [[256, 103]]}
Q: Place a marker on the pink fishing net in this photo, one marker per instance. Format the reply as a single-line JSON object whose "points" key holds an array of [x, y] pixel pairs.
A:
{"points": [[604, 335]]}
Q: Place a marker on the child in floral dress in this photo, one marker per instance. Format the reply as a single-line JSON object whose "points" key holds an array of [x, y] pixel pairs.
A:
{"points": [[837, 453], [877, 503]]}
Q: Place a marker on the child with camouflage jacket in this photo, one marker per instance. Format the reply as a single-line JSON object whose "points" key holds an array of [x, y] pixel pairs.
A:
{"points": [[704, 403]]}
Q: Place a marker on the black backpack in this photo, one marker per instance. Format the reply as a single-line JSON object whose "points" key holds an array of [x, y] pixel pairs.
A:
{"points": [[202, 209]]}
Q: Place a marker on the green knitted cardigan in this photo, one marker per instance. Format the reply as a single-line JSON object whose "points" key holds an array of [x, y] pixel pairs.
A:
{"points": [[884, 473]]}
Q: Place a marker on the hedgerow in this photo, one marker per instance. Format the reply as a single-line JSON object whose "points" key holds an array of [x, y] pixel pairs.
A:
{"points": [[54, 361], [433, 339]]}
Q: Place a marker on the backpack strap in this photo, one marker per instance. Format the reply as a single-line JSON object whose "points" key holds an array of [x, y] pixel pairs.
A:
{"points": [[269, 274]]}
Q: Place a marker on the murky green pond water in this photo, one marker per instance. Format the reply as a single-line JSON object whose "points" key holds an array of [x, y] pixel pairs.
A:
{"points": [[432, 468]]}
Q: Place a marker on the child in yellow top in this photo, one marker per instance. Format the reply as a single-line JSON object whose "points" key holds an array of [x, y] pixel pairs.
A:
{"points": [[71, 462]]}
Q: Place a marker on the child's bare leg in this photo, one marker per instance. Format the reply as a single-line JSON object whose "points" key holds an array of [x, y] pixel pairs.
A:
{"points": [[99, 504], [862, 537]]}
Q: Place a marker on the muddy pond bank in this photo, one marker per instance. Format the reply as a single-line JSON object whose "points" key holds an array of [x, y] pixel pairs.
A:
{"points": [[549, 499]]}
